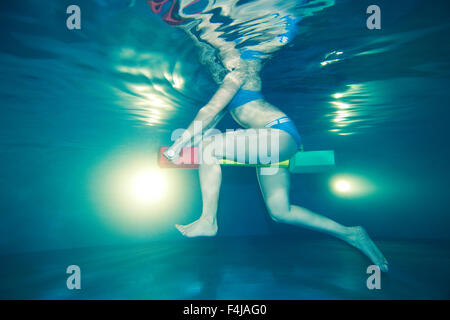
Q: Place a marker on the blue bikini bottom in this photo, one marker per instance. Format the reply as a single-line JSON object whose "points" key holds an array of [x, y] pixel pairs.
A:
{"points": [[287, 125], [284, 123]]}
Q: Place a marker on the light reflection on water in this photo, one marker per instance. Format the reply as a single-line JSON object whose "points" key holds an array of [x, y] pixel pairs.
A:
{"points": [[231, 26], [157, 74]]}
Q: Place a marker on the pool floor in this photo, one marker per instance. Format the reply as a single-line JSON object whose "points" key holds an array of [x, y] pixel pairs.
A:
{"points": [[235, 268]]}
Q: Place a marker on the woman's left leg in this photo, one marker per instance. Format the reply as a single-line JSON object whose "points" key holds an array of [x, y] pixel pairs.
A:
{"points": [[210, 180], [247, 146]]}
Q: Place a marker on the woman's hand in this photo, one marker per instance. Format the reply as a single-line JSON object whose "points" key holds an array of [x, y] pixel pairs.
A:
{"points": [[172, 154], [209, 115]]}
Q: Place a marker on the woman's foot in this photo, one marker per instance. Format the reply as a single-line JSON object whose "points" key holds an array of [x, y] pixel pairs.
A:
{"points": [[200, 228], [360, 239]]}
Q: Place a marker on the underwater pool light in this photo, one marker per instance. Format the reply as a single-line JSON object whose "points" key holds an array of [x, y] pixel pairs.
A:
{"points": [[342, 186], [346, 185], [146, 186], [134, 196]]}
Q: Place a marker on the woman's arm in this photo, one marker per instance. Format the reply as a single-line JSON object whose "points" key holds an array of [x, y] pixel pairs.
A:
{"points": [[210, 114]]}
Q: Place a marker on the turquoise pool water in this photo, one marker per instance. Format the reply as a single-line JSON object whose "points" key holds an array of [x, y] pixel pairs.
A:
{"points": [[84, 111]]}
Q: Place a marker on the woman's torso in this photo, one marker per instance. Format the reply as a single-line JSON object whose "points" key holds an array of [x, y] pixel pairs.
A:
{"points": [[259, 112], [245, 52]]}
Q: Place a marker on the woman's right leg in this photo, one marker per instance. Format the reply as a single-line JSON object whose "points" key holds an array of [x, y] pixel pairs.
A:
{"points": [[275, 190]]}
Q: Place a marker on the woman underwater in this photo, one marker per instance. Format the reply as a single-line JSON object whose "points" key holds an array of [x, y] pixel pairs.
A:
{"points": [[239, 92]]}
